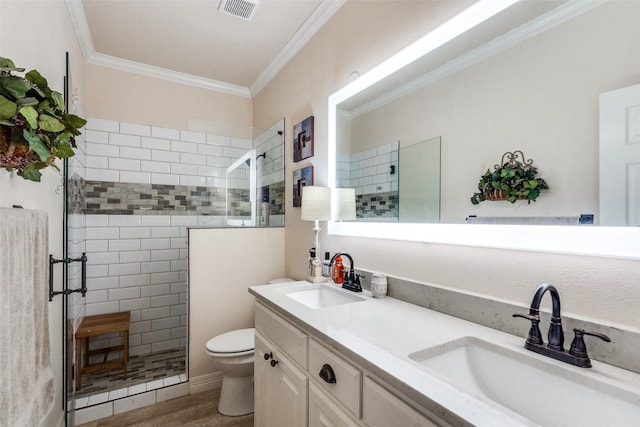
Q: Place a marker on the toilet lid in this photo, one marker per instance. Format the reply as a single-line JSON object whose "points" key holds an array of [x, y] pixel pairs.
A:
{"points": [[232, 342]]}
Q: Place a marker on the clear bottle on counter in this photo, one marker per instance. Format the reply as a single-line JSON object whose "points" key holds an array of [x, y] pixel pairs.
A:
{"points": [[326, 265], [312, 256], [338, 271]]}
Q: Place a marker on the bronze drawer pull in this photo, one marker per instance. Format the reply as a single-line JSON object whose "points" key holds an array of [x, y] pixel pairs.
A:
{"points": [[327, 374]]}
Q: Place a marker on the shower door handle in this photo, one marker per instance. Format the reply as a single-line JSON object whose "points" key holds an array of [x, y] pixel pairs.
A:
{"points": [[82, 289]]}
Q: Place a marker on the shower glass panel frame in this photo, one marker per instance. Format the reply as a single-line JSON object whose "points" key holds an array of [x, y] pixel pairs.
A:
{"points": [[242, 171]]}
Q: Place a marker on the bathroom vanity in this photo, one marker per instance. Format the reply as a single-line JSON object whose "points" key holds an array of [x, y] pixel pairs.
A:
{"points": [[326, 356], [290, 390]]}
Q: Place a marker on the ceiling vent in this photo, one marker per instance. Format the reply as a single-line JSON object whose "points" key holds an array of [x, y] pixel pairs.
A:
{"points": [[244, 9]]}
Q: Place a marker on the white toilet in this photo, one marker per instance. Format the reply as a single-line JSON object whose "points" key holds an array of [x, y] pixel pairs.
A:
{"points": [[233, 353]]}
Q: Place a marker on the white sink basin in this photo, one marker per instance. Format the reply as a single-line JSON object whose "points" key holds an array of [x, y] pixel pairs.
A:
{"points": [[321, 296], [537, 389]]}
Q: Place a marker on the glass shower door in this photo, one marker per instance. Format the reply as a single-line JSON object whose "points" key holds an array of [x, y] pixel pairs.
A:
{"points": [[74, 249]]}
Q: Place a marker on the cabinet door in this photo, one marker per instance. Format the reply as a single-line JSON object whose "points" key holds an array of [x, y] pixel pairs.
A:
{"points": [[264, 376], [280, 388], [324, 413], [383, 409]]}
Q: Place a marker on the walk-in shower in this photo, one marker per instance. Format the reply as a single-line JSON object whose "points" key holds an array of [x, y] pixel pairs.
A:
{"points": [[132, 192]]}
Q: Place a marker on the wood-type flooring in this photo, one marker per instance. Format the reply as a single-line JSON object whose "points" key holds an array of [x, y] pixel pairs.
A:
{"points": [[197, 410]]}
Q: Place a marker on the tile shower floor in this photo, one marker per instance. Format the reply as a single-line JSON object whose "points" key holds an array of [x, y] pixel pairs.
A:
{"points": [[146, 372]]}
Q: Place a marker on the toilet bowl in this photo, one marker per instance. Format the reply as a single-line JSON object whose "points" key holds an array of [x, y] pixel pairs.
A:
{"points": [[233, 354]]}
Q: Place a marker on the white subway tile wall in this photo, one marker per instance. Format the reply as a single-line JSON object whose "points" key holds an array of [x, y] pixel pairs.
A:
{"points": [[139, 272], [369, 172], [116, 147], [138, 263], [374, 175], [76, 231]]}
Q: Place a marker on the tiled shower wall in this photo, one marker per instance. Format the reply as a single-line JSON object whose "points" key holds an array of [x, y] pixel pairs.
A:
{"points": [[76, 243], [142, 187], [376, 184], [138, 263]]}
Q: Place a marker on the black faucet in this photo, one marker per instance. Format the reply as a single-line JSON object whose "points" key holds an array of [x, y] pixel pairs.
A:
{"points": [[351, 279], [577, 355]]}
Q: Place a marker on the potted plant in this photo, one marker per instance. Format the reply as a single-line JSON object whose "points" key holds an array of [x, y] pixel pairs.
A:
{"points": [[35, 129], [511, 180]]}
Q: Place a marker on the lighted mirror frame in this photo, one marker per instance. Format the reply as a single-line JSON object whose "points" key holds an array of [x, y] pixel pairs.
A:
{"points": [[615, 242]]}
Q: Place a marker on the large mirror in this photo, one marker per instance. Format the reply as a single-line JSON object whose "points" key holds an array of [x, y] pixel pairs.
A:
{"points": [[527, 77]]}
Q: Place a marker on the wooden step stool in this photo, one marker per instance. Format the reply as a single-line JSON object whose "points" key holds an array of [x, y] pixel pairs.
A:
{"points": [[102, 324]]}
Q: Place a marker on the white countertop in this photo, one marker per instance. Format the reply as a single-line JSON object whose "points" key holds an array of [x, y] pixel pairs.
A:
{"points": [[380, 333]]}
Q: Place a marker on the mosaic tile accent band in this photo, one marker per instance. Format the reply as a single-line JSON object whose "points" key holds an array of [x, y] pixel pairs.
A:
{"points": [[276, 198], [379, 205], [122, 198], [75, 194]]}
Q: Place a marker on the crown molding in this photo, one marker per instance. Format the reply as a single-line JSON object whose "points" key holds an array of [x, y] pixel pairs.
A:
{"points": [[81, 27], [166, 74], [318, 18], [79, 20], [311, 26]]}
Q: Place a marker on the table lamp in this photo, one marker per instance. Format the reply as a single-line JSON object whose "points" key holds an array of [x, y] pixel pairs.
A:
{"points": [[345, 204], [316, 206]]}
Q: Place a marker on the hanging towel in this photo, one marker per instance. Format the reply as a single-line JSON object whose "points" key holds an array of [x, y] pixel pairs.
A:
{"points": [[26, 377]]}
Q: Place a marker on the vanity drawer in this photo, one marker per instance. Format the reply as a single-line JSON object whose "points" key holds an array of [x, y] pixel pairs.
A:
{"points": [[283, 334], [381, 409], [348, 379]]}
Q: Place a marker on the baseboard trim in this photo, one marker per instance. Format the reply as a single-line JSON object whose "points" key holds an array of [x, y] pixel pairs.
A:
{"points": [[205, 382]]}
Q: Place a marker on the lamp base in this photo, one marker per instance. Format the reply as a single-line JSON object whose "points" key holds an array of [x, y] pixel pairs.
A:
{"points": [[317, 279]]}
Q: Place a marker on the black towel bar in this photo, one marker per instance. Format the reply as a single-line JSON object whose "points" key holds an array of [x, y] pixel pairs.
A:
{"points": [[82, 290]]}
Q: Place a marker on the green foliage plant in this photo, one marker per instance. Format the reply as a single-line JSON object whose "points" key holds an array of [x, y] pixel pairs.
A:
{"points": [[512, 180], [35, 129]]}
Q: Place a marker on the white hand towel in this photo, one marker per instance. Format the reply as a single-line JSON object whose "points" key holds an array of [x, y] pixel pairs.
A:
{"points": [[26, 377]]}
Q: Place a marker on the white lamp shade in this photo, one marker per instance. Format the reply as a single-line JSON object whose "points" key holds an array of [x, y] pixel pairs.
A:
{"points": [[345, 204], [316, 203]]}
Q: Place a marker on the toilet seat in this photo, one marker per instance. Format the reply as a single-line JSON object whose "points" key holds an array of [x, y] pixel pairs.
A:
{"points": [[235, 343]]}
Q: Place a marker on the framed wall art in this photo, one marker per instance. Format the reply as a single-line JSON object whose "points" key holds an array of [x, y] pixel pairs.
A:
{"points": [[303, 139], [301, 177]]}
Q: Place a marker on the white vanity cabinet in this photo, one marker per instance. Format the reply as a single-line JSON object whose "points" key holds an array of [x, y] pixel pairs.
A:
{"points": [[335, 388], [323, 412], [382, 409], [294, 384], [280, 380], [280, 387]]}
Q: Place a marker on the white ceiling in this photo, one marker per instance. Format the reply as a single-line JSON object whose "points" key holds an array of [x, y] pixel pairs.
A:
{"points": [[191, 42]]}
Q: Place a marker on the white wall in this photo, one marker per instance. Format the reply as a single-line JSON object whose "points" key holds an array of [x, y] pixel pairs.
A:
{"points": [[36, 35], [126, 97], [360, 35], [223, 263]]}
